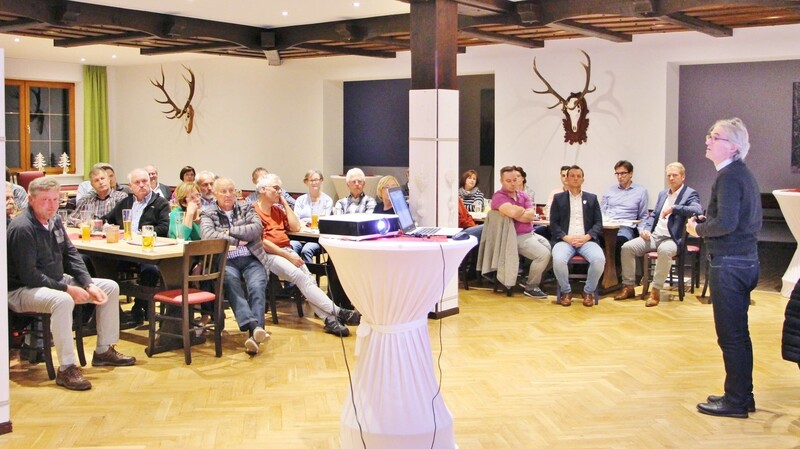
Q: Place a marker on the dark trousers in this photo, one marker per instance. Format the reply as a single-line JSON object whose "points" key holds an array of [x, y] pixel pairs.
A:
{"points": [[731, 279]]}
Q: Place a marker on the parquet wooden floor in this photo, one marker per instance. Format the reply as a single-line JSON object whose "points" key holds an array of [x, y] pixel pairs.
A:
{"points": [[518, 373]]}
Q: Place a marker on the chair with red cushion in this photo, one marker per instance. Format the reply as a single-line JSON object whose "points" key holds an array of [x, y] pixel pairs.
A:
{"points": [[24, 178], [203, 260]]}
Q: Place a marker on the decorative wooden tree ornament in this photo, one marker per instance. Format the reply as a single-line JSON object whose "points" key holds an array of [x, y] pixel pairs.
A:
{"points": [[63, 162], [39, 162]]}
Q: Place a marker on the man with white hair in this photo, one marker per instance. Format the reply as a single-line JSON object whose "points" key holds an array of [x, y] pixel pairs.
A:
{"points": [[157, 188], [245, 267], [285, 263], [730, 234], [357, 201], [47, 275]]}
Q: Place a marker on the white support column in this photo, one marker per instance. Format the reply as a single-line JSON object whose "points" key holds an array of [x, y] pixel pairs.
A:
{"points": [[433, 164], [5, 406]]}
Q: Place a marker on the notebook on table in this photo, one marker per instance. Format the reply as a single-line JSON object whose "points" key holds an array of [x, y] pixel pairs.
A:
{"points": [[407, 222]]}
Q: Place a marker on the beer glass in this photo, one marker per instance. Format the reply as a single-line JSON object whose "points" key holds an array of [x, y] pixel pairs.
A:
{"points": [[126, 224], [148, 238]]}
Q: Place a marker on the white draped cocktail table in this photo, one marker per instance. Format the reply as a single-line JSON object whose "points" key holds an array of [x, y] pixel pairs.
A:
{"points": [[394, 283], [789, 200]]}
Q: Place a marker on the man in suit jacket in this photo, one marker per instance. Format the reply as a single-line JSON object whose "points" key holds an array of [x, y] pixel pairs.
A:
{"points": [[661, 231], [157, 188], [147, 208], [576, 225]]}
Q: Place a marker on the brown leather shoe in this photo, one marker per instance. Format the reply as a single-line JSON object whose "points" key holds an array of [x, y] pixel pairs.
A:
{"points": [[654, 298], [626, 293], [566, 299], [72, 379], [588, 299], [112, 357]]}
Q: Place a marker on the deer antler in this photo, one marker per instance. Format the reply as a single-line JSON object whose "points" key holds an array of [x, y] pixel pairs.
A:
{"points": [[588, 68], [549, 90], [177, 112]]}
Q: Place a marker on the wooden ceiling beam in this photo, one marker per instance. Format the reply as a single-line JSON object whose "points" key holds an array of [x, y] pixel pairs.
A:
{"points": [[102, 39], [502, 38], [590, 30], [18, 25], [496, 6], [693, 23], [192, 48], [341, 50]]}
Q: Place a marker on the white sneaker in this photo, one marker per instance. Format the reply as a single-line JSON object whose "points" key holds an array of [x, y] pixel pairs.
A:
{"points": [[260, 335], [250, 346]]}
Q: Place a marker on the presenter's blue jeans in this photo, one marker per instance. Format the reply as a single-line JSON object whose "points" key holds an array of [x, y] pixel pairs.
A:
{"points": [[249, 271], [591, 251], [731, 279]]}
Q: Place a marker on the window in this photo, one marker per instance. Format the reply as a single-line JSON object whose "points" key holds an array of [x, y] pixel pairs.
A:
{"points": [[40, 119]]}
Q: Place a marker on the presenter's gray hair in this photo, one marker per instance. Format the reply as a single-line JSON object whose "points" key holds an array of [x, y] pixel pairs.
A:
{"points": [[737, 134]]}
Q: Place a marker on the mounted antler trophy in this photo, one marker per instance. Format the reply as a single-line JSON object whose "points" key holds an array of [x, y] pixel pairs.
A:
{"points": [[187, 111], [574, 106]]}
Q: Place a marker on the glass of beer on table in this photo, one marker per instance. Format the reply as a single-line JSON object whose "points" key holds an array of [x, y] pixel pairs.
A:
{"points": [[148, 238], [126, 224]]}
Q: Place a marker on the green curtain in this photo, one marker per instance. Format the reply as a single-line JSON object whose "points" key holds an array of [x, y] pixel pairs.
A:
{"points": [[95, 117]]}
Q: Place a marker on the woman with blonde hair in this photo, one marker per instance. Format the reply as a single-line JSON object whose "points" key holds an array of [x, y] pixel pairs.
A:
{"points": [[384, 205]]}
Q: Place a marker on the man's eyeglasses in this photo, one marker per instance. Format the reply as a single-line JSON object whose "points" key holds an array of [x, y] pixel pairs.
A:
{"points": [[621, 173], [715, 138]]}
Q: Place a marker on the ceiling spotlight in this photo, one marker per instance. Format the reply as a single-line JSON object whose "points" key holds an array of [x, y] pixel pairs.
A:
{"points": [[113, 56], [356, 4], [16, 39], [285, 13], [83, 59]]}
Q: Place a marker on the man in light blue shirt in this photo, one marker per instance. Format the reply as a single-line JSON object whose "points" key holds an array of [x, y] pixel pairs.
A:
{"points": [[624, 201]]}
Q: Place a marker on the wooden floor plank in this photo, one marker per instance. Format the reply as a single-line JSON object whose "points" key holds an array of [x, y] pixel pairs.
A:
{"points": [[517, 373]]}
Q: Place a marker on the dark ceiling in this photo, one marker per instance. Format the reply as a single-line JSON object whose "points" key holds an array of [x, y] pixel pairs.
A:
{"points": [[481, 22]]}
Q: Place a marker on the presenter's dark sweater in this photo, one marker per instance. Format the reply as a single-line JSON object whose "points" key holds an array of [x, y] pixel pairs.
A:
{"points": [[734, 213]]}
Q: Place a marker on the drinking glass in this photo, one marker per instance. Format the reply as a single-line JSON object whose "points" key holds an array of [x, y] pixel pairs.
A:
{"points": [[314, 221], [86, 230], [112, 233], [64, 215], [179, 217], [126, 223], [148, 238]]}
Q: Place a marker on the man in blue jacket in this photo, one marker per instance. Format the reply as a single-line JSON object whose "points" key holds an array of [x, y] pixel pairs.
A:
{"points": [[661, 231]]}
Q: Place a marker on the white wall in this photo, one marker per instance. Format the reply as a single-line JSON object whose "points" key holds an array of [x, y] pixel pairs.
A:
{"points": [[288, 118]]}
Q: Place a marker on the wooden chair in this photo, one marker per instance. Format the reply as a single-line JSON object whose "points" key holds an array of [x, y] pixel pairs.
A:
{"points": [[273, 292], [577, 259], [210, 258], [37, 325], [689, 255], [24, 178], [495, 253]]}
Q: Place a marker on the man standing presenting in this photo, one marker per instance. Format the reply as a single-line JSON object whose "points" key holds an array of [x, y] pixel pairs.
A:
{"points": [[730, 234], [241, 227], [661, 231], [46, 275], [516, 205], [576, 225]]}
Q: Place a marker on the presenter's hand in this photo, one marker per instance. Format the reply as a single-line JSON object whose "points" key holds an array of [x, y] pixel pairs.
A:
{"points": [[691, 227]]}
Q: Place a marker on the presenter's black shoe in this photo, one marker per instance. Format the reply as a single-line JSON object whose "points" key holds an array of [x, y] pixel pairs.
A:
{"points": [[722, 408], [751, 404], [333, 326], [351, 317]]}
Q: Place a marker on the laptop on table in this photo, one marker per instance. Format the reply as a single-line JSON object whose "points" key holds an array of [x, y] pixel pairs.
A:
{"points": [[407, 222]]}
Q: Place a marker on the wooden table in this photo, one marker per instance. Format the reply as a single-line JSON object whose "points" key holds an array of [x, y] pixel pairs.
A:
{"points": [[105, 257]]}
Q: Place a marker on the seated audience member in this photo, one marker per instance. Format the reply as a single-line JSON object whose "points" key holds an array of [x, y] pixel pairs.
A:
{"points": [[112, 180], [20, 195], [466, 222], [662, 232], [147, 208], [284, 262], [516, 205], [187, 197], [522, 185], [157, 188], [624, 201], [405, 186], [553, 192], [358, 201], [205, 182], [384, 205], [46, 275], [469, 192], [241, 227], [100, 200], [11, 205], [315, 202], [187, 174], [576, 225], [258, 173]]}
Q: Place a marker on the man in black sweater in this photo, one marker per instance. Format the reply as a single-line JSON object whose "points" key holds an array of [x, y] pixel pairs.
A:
{"points": [[46, 275], [730, 234]]}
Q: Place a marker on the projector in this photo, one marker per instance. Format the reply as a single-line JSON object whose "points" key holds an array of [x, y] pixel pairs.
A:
{"points": [[359, 226]]}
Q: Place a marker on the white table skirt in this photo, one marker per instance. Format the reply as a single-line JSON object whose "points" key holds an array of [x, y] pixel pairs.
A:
{"points": [[790, 207], [394, 283]]}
